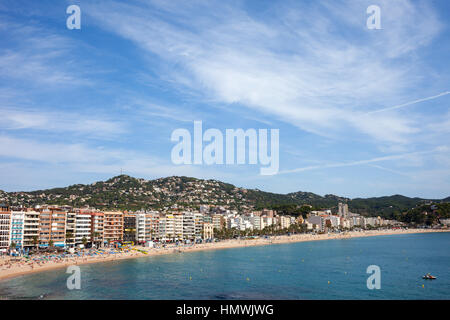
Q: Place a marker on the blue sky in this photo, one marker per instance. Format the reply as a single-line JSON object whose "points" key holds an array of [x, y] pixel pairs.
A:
{"points": [[361, 112]]}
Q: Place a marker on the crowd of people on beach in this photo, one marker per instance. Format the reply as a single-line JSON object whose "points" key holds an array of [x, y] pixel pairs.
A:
{"points": [[41, 259]]}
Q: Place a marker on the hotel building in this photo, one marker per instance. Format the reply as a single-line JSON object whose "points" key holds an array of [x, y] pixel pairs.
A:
{"points": [[31, 228], [82, 226], [208, 230], [167, 227], [70, 228], [285, 222], [97, 227], [5, 225], [17, 228], [147, 226], [178, 225], [129, 227], [52, 227], [218, 221], [198, 221], [188, 225], [113, 226]]}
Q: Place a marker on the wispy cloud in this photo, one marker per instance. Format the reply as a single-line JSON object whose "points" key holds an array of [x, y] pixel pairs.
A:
{"points": [[367, 161], [38, 57], [410, 103], [312, 79], [15, 119]]}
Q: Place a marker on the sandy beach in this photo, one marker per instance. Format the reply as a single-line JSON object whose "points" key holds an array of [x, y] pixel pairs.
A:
{"points": [[11, 268]]}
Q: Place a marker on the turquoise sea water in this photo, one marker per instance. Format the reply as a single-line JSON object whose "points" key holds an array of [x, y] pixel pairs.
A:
{"points": [[331, 269]]}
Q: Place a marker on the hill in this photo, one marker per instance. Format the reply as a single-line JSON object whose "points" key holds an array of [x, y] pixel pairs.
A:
{"points": [[128, 193]]}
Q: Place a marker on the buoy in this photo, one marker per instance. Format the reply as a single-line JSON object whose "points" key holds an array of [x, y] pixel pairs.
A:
{"points": [[190, 278], [423, 286], [248, 279], [329, 282]]}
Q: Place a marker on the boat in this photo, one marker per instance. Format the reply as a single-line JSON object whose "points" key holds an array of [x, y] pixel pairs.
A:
{"points": [[429, 277]]}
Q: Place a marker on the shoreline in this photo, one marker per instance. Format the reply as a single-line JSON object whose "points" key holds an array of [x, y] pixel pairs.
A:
{"points": [[17, 271]]}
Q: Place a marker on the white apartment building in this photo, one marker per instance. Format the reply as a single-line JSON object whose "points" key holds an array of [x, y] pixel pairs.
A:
{"points": [[82, 227], [5, 225], [31, 228], [188, 225], [147, 226], [255, 221], [17, 228], [318, 221], [208, 230], [167, 227], [285, 222], [218, 221], [140, 228], [335, 221], [98, 222], [70, 228], [198, 220], [178, 225]]}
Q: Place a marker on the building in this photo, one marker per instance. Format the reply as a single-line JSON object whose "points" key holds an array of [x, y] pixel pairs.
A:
{"points": [[335, 221], [5, 224], [113, 226], [285, 222], [255, 220], [208, 231], [31, 229], [317, 221], [147, 226], [97, 227], [83, 227], [198, 224], [188, 226], [178, 225], [17, 229], [129, 227], [218, 221], [52, 227], [70, 228], [343, 210], [167, 227], [153, 232], [268, 213]]}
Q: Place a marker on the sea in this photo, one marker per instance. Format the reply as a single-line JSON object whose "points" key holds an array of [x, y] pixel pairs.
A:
{"points": [[327, 269]]}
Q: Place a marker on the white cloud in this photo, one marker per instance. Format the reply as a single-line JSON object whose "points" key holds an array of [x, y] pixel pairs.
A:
{"points": [[295, 66], [37, 57], [411, 158], [57, 122]]}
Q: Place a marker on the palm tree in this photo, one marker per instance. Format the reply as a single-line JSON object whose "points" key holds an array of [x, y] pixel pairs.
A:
{"points": [[69, 235], [84, 240], [94, 236], [36, 241], [50, 244], [13, 245]]}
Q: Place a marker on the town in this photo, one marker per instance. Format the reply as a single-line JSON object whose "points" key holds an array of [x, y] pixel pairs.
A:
{"points": [[51, 226]]}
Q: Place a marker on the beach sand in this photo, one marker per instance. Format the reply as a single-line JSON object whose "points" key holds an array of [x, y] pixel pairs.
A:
{"points": [[10, 269]]}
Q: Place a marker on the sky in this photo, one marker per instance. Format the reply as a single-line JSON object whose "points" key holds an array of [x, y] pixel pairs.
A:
{"points": [[360, 112]]}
